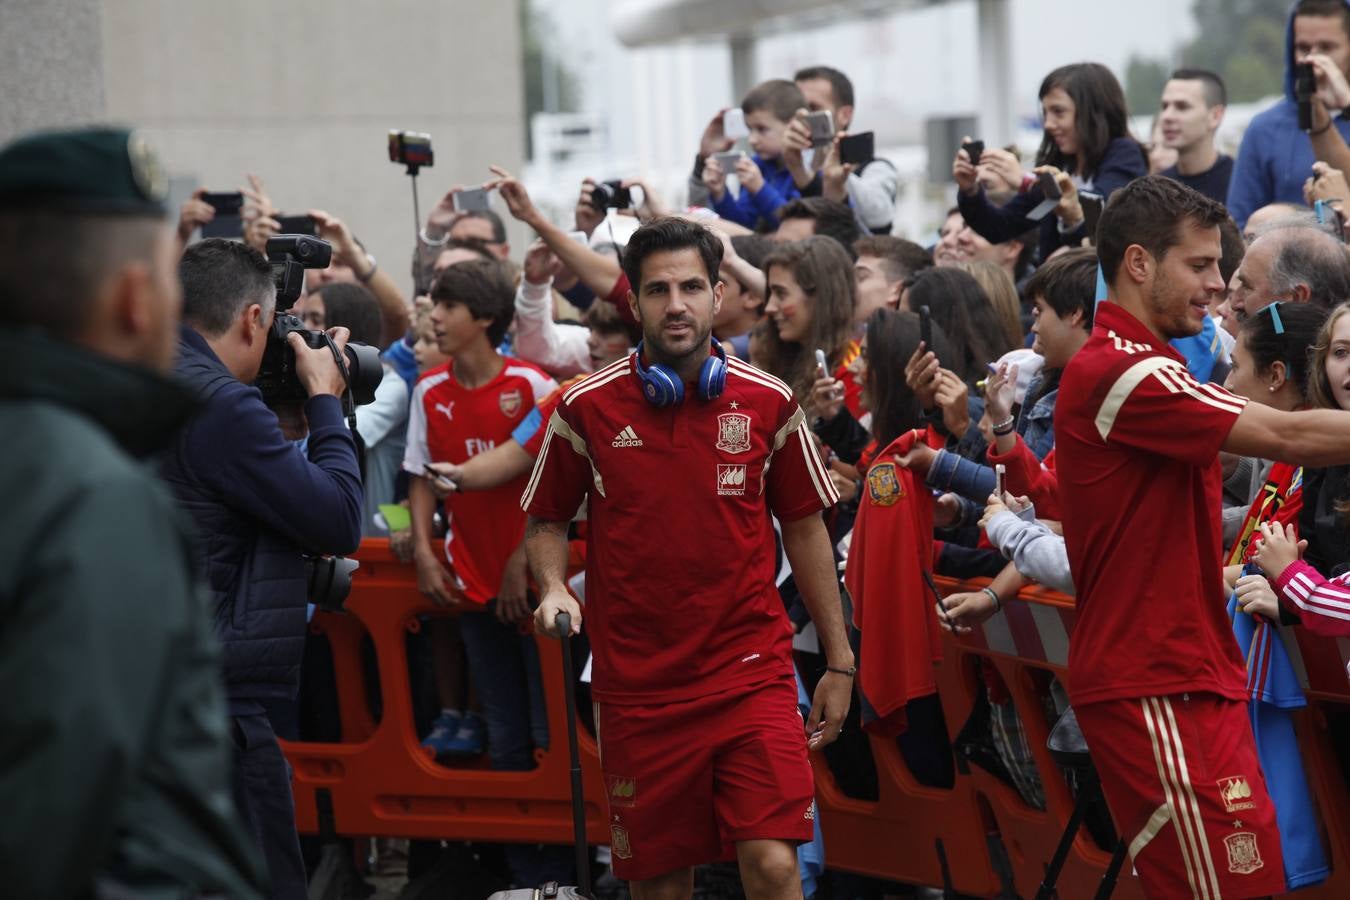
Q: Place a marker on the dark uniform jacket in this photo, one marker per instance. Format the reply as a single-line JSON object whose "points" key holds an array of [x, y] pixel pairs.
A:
{"points": [[114, 759]]}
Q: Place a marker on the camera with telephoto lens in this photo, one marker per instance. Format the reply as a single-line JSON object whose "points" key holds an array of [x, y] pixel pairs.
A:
{"points": [[611, 195], [290, 255], [330, 580]]}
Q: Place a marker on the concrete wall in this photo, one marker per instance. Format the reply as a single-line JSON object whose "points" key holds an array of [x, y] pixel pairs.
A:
{"points": [[301, 92]]}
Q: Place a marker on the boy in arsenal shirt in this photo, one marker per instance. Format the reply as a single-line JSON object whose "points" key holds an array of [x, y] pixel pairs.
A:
{"points": [[681, 456], [1154, 671]]}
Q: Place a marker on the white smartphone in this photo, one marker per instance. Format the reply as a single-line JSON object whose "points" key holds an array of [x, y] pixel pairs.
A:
{"points": [[822, 128], [999, 471], [471, 199], [728, 161], [733, 124], [822, 365]]}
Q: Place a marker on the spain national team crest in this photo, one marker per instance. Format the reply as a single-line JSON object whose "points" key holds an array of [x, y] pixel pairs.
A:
{"points": [[1243, 856], [1236, 793], [733, 432], [618, 842], [883, 485], [622, 790], [509, 402]]}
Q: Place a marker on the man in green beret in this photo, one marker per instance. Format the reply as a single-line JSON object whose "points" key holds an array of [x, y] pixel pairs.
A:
{"points": [[114, 758]]}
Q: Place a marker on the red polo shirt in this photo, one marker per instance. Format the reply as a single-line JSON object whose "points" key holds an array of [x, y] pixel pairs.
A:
{"points": [[680, 594], [1136, 443]]}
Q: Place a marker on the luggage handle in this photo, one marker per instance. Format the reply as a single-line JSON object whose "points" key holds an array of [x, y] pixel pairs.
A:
{"points": [[583, 851]]}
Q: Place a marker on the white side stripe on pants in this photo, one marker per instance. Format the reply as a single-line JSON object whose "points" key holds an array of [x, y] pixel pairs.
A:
{"points": [[1173, 774]]}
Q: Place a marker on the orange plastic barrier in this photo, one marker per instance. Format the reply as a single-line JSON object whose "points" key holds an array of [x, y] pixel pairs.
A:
{"points": [[379, 781]]}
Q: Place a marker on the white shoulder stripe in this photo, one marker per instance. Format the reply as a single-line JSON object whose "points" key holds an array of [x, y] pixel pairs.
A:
{"points": [[601, 378], [599, 373], [758, 376], [1170, 374], [420, 388]]}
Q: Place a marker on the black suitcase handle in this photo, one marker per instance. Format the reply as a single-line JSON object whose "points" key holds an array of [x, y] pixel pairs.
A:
{"points": [[583, 850]]}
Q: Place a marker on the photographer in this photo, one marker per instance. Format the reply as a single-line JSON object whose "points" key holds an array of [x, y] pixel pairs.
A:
{"points": [[258, 505]]}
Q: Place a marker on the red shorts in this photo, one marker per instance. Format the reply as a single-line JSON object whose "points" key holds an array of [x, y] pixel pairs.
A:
{"points": [[686, 781], [1185, 788]]}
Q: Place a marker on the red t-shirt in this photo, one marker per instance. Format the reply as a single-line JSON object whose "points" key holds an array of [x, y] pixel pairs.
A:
{"points": [[546, 408], [450, 423], [1136, 445], [680, 595]]}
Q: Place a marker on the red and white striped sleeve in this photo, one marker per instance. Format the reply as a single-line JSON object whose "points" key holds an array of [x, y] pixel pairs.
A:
{"points": [[1153, 404], [1322, 604], [797, 482]]}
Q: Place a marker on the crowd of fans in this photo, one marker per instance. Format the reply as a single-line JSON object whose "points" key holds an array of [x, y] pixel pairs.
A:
{"points": [[928, 367]]}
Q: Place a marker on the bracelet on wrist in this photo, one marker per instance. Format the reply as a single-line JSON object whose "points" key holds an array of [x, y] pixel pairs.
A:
{"points": [[850, 671], [1005, 427], [993, 595], [1324, 129], [364, 277]]}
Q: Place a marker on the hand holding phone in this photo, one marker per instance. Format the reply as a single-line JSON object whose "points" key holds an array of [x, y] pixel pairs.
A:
{"points": [[926, 328], [728, 161], [857, 149], [227, 222], [822, 366], [1000, 471], [973, 150], [822, 127], [471, 200], [443, 482]]}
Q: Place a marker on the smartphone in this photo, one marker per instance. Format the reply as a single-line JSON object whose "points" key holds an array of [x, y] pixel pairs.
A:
{"points": [[999, 472], [857, 149], [471, 200], [227, 223], [1049, 187], [728, 161], [1092, 212], [298, 225], [1305, 85], [733, 124], [437, 476], [822, 365], [822, 127], [973, 150], [411, 148], [926, 327]]}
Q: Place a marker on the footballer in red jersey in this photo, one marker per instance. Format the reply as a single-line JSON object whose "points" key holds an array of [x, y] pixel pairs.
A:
{"points": [[681, 455], [1155, 674]]}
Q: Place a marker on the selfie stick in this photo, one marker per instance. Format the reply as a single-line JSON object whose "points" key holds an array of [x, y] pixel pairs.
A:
{"points": [[564, 623], [417, 216]]}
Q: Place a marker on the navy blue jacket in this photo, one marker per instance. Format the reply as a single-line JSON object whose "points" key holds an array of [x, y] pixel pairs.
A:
{"points": [[1122, 163], [256, 504]]}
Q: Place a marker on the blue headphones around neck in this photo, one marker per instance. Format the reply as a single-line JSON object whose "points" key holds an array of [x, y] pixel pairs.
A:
{"points": [[663, 386]]}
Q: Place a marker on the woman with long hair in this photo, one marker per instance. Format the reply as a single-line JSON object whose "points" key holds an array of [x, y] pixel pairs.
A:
{"points": [[1086, 146], [976, 333], [812, 295], [998, 286]]}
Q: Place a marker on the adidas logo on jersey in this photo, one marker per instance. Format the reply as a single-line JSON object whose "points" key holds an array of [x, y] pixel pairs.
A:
{"points": [[627, 438]]}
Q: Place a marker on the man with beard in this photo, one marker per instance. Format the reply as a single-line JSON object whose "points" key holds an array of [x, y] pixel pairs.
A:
{"points": [[681, 455], [1154, 672]]}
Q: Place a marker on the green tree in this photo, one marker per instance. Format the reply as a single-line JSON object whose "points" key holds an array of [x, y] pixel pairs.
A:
{"points": [[548, 82], [1242, 40]]}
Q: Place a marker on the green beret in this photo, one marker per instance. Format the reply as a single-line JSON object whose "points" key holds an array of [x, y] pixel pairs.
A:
{"points": [[85, 170]]}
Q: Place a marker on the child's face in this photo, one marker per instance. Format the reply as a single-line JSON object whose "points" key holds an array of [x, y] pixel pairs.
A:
{"points": [[1338, 362], [766, 133], [425, 351]]}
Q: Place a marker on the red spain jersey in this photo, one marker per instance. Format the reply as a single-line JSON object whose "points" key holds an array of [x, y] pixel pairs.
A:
{"points": [[1136, 446], [680, 594], [448, 422]]}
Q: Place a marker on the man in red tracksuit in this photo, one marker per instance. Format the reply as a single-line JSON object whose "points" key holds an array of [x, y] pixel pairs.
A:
{"points": [[681, 455]]}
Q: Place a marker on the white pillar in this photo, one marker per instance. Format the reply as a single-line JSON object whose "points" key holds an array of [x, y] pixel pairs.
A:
{"points": [[996, 119]]}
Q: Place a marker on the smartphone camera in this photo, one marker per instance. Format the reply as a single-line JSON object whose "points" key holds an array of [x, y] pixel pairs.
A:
{"points": [[973, 149], [227, 222], [1305, 85], [411, 148]]}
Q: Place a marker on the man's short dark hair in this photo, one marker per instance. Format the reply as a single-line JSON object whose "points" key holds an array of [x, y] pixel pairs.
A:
{"points": [[1068, 283], [833, 219], [899, 258], [484, 287], [1329, 8], [1151, 212], [779, 97], [1311, 256], [220, 279], [1211, 85], [52, 265], [840, 87], [670, 234], [498, 226], [352, 306]]}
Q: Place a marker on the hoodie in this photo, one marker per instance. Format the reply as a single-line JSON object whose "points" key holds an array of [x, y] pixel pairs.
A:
{"points": [[1275, 157]]}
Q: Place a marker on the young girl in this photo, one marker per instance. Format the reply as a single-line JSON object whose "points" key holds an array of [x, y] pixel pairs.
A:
{"points": [[1086, 146], [1322, 603], [812, 295]]}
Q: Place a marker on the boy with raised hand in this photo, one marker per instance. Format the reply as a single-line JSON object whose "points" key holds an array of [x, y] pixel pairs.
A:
{"points": [[766, 183]]}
